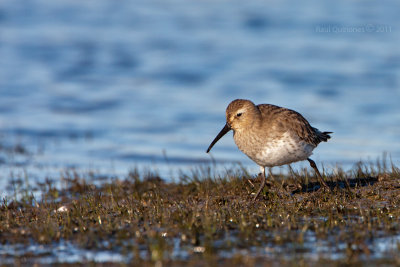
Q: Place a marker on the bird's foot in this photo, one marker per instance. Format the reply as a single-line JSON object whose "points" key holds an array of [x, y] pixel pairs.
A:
{"points": [[323, 187], [293, 187]]}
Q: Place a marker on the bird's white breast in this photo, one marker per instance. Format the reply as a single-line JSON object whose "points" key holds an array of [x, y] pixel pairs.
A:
{"points": [[287, 149]]}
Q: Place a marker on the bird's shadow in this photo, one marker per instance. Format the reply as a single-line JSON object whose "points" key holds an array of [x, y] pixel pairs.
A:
{"points": [[343, 184]]}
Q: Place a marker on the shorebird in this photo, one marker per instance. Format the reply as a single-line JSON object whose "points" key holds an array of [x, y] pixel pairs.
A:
{"points": [[271, 136]]}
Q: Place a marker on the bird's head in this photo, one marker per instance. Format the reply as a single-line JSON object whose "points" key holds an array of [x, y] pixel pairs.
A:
{"points": [[240, 114]]}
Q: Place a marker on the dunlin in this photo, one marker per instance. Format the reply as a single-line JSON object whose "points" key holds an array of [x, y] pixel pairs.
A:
{"points": [[271, 135]]}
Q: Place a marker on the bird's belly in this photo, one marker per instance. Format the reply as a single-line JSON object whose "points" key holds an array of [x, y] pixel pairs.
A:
{"points": [[283, 151]]}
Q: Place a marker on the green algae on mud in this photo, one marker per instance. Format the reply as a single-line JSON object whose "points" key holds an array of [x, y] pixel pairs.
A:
{"points": [[212, 220]]}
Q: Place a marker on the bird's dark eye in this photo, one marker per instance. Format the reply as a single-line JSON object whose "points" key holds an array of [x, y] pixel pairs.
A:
{"points": [[239, 114]]}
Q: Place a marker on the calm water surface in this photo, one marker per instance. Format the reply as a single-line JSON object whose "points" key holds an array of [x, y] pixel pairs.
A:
{"points": [[106, 87]]}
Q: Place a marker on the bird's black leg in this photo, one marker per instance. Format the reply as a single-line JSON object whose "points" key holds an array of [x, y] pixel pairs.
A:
{"points": [[262, 183], [314, 166]]}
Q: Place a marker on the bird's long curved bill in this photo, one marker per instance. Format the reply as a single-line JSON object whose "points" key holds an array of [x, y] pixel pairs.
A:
{"points": [[221, 133]]}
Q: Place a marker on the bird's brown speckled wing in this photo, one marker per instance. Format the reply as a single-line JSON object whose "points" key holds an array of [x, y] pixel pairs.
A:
{"points": [[283, 120]]}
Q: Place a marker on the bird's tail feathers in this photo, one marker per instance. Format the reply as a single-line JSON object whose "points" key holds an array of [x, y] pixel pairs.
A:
{"points": [[322, 136], [325, 136]]}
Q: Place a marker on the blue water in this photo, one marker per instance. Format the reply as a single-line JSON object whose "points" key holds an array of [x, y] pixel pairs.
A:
{"points": [[110, 86], [312, 249]]}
